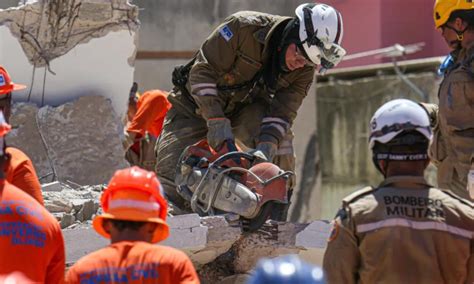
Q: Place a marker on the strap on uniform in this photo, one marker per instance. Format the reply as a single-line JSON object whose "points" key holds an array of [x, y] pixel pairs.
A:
{"points": [[357, 194]]}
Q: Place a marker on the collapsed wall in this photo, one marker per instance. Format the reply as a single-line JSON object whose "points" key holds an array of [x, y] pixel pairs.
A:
{"points": [[66, 49], [76, 142]]}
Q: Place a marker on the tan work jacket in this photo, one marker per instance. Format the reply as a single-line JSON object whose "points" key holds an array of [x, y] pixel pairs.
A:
{"points": [[234, 55], [453, 143], [414, 234]]}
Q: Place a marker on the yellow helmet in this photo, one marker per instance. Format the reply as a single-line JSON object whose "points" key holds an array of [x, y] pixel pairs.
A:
{"points": [[444, 8]]}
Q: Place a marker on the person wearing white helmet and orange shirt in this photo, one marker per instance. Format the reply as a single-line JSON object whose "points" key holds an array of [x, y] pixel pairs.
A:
{"points": [[404, 230], [246, 85], [452, 149], [134, 219], [19, 168]]}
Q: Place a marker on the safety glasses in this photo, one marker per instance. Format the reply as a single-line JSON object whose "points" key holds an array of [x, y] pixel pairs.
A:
{"points": [[408, 126]]}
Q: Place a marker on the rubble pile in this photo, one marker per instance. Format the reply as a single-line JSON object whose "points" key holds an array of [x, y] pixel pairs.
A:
{"points": [[72, 207], [218, 250]]}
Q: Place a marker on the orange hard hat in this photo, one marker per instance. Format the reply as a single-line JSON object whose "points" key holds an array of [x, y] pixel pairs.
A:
{"points": [[6, 84], [134, 194]]}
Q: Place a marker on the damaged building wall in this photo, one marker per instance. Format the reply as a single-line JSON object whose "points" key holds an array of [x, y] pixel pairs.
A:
{"points": [[77, 142], [66, 49]]}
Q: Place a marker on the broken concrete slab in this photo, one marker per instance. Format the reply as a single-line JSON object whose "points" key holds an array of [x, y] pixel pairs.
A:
{"points": [[25, 135], [41, 40], [52, 186], [79, 141]]}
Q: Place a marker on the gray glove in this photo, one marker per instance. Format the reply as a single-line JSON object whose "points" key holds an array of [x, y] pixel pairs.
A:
{"points": [[218, 131], [266, 150]]}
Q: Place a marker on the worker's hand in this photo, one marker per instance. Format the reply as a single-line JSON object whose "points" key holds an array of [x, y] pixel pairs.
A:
{"points": [[470, 183], [219, 130], [265, 151], [432, 111]]}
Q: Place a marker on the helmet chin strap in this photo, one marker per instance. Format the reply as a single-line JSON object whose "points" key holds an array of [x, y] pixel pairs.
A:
{"points": [[459, 34]]}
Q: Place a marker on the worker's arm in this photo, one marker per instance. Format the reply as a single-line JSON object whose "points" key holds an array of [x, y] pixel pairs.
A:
{"points": [[342, 257], [151, 106], [215, 58], [284, 107], [57, 264], [25, 178]]}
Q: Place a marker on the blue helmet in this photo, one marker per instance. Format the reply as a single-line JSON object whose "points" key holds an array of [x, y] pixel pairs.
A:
{"points": [[285, 270]]}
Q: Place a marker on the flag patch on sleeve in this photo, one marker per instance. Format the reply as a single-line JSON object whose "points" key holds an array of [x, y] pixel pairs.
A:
{"points": [[226, 33]]}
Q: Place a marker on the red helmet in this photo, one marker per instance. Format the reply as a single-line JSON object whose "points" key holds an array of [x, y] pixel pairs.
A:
{"points": [[6, 84]]}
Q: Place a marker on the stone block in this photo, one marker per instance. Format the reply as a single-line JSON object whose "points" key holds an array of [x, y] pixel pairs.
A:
{"points": [[52, 186], [184, 221], [82, 140]]}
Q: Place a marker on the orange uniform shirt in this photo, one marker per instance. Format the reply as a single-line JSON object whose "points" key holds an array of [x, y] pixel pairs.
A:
{"points": [[152, 107], [134, 262], [31, 241], [21, 173]]}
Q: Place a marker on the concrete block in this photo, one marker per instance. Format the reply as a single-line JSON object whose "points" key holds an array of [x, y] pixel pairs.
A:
{"points": [[191, 239], [52, 186], [96, 152], [184, 221]]}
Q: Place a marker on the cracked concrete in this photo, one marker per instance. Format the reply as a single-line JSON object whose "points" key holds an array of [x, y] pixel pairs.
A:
{"points": [[48, 29], [79, 141]]}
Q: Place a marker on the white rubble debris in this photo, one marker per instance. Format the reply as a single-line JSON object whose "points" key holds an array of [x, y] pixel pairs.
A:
{"points": [[73, 205]]}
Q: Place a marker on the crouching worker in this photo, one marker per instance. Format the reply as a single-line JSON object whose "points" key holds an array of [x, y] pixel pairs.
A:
{"points": [[145, 116], [134, 218]]}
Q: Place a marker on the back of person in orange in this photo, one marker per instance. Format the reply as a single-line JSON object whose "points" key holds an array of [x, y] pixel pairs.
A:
{"points": [[145, 115], [19, 168], [31, 241], [134, 219]]}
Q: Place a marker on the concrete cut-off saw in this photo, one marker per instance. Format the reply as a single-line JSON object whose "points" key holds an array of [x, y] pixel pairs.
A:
{"points": [[237, 184]]}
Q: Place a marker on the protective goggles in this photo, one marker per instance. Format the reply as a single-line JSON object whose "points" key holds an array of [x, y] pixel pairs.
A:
{"points": [[331, 54], [408, 126]]}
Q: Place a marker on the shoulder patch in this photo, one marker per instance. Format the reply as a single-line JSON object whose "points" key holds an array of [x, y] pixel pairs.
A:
{"points": [[226, 33], [357, 194], [261, 34]]}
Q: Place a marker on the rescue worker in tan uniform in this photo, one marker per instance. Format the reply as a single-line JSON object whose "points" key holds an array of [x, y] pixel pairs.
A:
{"points": [[246, 83], [452, 149], [403, 231]]}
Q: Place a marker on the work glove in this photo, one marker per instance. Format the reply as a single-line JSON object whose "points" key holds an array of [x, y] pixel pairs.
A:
{"points": [[265, 151], [219, 130], [432, 111]]}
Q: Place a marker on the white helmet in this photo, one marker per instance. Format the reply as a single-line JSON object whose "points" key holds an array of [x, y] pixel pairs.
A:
{"points": [[320, 33], [397, 116]]}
